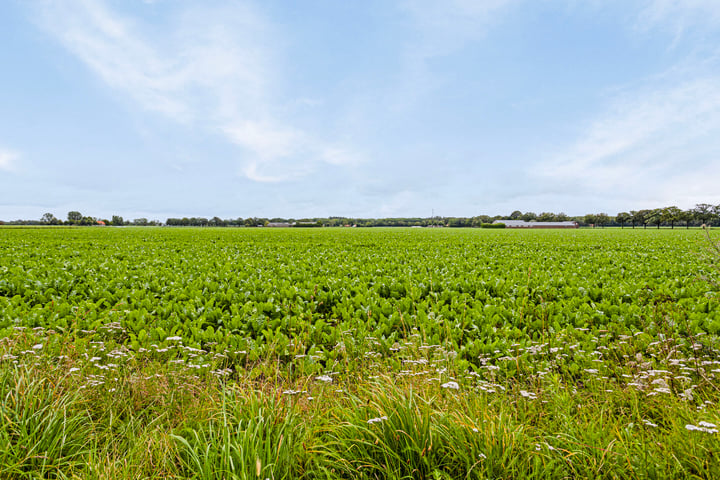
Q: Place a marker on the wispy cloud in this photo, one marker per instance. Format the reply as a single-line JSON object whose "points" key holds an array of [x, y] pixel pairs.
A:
{"points": [[679, 16], [439, 29], [447, 26], [213, 68], [654, 143], [8, 159], [272, 148]]}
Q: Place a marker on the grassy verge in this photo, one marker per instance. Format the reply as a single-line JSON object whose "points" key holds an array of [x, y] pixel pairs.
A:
{"points": [[142, 418]]}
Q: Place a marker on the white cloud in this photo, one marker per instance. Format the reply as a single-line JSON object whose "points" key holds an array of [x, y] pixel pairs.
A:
{"points": [[678, 16], [274, 150], [655, 144], [212, 67], [267, 140], [337, 155], [7, 159], [446, 26], [111, 47]]}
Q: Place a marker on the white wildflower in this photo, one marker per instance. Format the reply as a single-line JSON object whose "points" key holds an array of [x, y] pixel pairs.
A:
{"points": [[702, 428], [687, 394], [37, 346], [649, 423], [527, 394], [451, 385], [662, 390], [324, 378], [293, 392], [173, 339], [377, 419]]}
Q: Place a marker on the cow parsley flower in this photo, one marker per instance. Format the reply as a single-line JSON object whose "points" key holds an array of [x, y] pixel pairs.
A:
{"points": [[377, 420], [527, 394], [703, 427]]}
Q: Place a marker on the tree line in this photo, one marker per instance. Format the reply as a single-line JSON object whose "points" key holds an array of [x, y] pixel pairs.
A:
{"points": [[700, 214]]}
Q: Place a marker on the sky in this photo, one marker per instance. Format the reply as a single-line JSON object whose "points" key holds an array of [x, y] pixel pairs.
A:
{"points": [[379, 108]]}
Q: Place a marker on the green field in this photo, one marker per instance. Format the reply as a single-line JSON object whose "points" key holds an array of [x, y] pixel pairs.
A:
{"points": [[358, 353]]}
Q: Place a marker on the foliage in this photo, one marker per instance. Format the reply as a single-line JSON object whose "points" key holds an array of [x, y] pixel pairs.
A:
{"points": [[349, 353]]}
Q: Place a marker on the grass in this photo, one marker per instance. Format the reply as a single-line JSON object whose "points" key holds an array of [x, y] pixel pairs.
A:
{"points": [[42, 432], [159, 424]]}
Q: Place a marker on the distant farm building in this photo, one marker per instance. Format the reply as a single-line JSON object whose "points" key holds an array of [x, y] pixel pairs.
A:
{"points": [[280, 224], [524, 224]]}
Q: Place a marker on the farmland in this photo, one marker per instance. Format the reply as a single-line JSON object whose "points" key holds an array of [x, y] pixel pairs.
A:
{"points": [[346, 353]]}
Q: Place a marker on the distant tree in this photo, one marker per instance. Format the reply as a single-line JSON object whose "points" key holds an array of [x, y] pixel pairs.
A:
{"points": [[546, 217], [479, 220], [646, 216], [516, 215], [118, 221], [633, 218], [590, 219], [703, 212], [49, 219], [74, 217], [459, 222], [656, 216], [686, 216], [716, 213], [561, 217], [671, 215], [640, 217], [622, 218], [141, 222], [602, 219], [527, 216]]}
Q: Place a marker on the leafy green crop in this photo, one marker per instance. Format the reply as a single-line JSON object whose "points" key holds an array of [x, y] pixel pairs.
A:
{"points": [[305, 292]]}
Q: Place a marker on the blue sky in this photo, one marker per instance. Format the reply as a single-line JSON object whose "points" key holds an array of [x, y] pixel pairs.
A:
{"points": [[365, 109]]}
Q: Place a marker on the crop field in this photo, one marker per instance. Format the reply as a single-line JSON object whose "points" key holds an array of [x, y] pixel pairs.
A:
{"points": [[358, 353]]}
